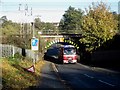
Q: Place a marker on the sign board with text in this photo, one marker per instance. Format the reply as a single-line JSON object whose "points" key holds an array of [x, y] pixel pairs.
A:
{"points": [[35, 44]]}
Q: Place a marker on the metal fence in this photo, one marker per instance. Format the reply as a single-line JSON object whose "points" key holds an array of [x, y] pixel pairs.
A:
{"points": [[35, 56], [9, 50], [62, 31]]}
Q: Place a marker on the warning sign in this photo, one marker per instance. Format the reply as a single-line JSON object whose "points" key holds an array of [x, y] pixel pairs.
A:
{"points": [[31, 69]]}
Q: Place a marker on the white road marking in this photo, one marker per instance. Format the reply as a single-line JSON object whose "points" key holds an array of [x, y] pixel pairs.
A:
{"points": [[84, 65], [88, 76], [106, 83], [63, 81], [54, 67]]}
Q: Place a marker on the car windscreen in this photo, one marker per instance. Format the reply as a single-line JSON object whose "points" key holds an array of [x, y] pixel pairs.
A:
{"points": [[69, 51]]}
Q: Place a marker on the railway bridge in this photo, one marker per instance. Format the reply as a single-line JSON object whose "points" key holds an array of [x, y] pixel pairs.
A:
{"points": [[46, 40]]}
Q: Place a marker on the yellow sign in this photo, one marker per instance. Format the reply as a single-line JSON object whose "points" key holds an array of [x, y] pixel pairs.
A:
{"points": [[61, 39]]}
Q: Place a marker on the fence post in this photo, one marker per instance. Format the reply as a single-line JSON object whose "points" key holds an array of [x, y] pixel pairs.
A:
{"points": [[13, 53], [24, 52]]}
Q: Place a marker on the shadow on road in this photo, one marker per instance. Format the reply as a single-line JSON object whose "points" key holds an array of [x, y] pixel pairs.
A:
{"points": [[115, 66], [52, 59], [48, 81]]}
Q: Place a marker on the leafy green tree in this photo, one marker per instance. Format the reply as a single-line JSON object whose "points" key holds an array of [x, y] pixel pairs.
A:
{"points": [[119, 23], [10, 32], [98, 26], [38, 24], [10, 28], [49, 28], [71, 19], [3, 18], [44, 27]]}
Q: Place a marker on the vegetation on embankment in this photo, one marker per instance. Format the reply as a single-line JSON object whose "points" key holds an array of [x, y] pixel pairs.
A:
{"points": [[14, 74]]}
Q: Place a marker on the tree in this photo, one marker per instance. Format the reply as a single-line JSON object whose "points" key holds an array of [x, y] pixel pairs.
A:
{"points": [[71, 19], [3, 18], [10, 28], [98, 26], [44, 27], [38, 24], [117, 17], [119, 23], [10, 32]]}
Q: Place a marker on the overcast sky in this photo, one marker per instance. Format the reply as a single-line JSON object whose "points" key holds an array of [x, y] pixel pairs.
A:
{"points": [[48, 10], [58, 0]]}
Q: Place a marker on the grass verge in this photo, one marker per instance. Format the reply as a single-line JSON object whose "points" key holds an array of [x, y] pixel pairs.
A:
{"points": [[14, 74]]}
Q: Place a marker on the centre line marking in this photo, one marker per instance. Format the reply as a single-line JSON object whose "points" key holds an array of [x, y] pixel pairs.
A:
{"points": [[88, 76], [106, 83]]}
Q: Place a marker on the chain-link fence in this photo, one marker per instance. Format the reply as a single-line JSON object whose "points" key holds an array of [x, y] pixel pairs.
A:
{"points": [[9, 50]]}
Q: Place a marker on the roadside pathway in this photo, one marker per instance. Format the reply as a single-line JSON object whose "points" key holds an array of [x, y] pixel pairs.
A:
{"points": [[49, 78]]}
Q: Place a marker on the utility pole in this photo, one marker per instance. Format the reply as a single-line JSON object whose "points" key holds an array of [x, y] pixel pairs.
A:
{"points": [[31, 11], [33, 29], [19, 7]]}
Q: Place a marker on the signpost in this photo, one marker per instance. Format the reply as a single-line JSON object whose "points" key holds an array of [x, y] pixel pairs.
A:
{"points": [[34, 47]]}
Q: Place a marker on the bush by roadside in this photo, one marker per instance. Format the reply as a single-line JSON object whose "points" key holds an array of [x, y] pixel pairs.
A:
{"points": [[14, 74]]}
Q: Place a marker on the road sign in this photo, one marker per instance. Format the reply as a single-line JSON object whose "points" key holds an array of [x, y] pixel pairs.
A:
{"points": [[34, 44], [31, 69], [61, 39]]}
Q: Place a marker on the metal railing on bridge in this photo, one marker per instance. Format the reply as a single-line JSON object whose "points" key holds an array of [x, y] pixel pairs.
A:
{"points": [[61, 31]]}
